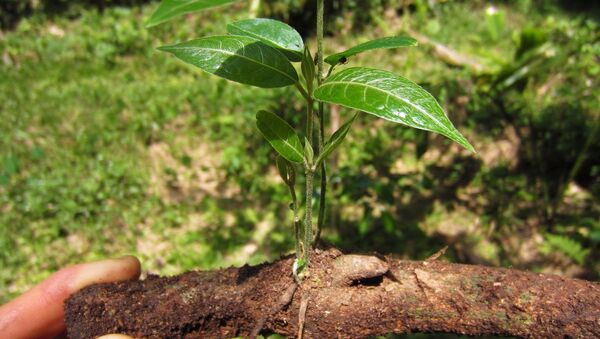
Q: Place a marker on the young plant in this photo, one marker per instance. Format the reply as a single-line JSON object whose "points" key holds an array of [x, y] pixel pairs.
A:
{"points": [[262, 53]]}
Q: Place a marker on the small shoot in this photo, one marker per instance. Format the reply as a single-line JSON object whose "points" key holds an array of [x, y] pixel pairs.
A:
{"points": [[260, 53]]}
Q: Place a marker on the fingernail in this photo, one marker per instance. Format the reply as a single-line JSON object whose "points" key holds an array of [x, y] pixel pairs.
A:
{"points": [[111, 270]]}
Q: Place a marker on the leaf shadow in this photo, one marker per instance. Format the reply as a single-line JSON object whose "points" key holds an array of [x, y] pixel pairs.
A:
{"points": [[391, 224]]}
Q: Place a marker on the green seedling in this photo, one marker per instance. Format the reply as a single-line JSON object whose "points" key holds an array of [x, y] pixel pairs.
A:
{"points": [[265, 53]]}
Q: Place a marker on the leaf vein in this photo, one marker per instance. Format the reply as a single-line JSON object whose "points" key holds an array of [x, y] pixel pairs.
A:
{"points": [[417, 107]]}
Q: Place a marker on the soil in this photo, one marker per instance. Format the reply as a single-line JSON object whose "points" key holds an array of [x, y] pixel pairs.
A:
{"points": [[345, 296]]}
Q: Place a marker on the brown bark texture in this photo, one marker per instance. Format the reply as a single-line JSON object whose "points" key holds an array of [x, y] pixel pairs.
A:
{"points": [[345, 296]]}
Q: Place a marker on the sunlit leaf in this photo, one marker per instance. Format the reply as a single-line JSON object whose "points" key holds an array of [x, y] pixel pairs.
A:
{"points": [[280, 135], [273, 33], [335, 140], [390, 97], [171, 8], [237, 58], [388, 42]]}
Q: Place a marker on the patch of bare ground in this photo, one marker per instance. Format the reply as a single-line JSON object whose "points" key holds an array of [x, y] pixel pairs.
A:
{"points": [[174, 182], [186, 169], [504, 150]]}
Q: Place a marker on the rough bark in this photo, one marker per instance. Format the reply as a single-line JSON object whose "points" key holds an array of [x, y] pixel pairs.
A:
{"points": [[348, 297]]}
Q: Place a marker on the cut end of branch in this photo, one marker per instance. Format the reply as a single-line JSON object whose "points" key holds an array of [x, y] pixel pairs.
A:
{"points": [[352, 268]]}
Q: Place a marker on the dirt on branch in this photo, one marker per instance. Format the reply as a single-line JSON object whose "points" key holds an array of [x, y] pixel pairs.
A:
{"points": [[346, 296]]}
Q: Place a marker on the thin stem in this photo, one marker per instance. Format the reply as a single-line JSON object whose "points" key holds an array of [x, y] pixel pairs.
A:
{"points": [[321, 113], [254, 8], [330, 70], [322, 199], [320, 30], [308, 232], [296, 220], [310, 169], [323, 177], [303, 91], [309, 121]]}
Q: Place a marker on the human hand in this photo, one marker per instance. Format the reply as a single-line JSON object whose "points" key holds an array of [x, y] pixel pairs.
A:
{"points": [[39, 312]]}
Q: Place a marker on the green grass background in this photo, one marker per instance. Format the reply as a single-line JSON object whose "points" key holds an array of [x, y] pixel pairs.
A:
{"points": [[109, 147]]}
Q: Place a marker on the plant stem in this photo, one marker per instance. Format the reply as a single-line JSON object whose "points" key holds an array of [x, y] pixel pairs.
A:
{"points": [[321, 113], [323, 197], [310, 169], [303, 92], [308, 232], [320, 29], [296, 220], [254, 8], [309, 120], [310, 172], [330, 70]]}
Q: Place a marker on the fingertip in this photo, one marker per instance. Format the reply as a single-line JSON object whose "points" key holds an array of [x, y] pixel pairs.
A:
{"points": [[133, 265], [115, 336], [111, 270], [21, 318]]}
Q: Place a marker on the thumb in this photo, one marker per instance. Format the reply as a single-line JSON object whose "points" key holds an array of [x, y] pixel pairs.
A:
{"points": [[39, 312]]}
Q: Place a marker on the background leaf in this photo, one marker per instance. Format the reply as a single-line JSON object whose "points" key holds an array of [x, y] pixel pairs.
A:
{"points": [[237, 58], [280, 135], [273, 33], [172, 8], [390, 97], [388, 42]]}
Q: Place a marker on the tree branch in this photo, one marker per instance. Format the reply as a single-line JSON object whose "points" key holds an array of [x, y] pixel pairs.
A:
{"points": [[350, 297]]}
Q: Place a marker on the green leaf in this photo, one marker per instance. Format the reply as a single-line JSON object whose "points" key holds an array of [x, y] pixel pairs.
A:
{"points": [[237, 58], [388, 42], [390, 97], [335, 140], [286, 171], [309, 153], [273, 33], [308, 69], [172, 8], [280, 135]]}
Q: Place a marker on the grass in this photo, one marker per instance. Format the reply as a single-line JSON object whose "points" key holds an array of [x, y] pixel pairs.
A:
{"points": [[108, 147], [80, 107]]}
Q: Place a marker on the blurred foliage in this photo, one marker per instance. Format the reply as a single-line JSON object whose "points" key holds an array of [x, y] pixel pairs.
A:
{"points": [[565, 245], [301, 15], [107, 147], [534, 94], [11, 11]]}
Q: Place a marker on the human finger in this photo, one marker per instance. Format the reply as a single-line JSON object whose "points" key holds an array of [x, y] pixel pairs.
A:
{"points": [[39, 312]]}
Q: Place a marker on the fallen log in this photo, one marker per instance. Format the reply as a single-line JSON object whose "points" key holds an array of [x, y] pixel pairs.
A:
{"points": [[448, 55], [346, 296]]}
